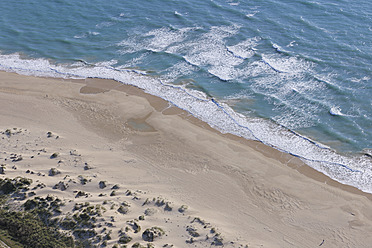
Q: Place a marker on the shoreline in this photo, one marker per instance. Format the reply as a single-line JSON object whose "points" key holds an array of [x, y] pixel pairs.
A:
{"points": [[96, 86], [343, 168], [253, 193]]}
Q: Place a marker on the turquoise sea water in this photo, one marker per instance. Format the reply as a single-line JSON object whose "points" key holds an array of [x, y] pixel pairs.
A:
{"points": [[295, 75]]}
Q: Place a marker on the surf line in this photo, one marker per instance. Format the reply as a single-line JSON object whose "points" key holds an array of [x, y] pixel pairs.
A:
{"points": [[272, 67], [282, 150], [263, 60], [237, 56], [200, 99]]}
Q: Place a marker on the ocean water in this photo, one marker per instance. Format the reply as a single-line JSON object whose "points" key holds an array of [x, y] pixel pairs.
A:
{"points": [[295, 75]]}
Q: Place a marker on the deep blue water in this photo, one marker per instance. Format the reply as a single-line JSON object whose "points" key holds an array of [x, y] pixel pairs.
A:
{"points": [[284, 72]]}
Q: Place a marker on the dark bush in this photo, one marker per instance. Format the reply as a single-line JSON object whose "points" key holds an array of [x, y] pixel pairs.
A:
{"points": [[31, 232]]}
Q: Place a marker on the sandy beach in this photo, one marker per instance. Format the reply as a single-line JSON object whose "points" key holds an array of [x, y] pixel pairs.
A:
{"points": [[147, 163]]}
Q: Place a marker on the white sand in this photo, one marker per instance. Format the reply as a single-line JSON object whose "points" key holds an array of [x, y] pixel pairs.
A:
{"points": [[251, 194]]}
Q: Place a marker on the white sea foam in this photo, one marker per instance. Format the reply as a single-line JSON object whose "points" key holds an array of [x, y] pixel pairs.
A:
{"points": [[357, 80], [177, 13], [176, 71], [244, 49], [348, 170], [207, 50], [233, 3], [131, 45], [336, 110], [252, 14], [84, 35], [133, 62], [160, 39], [289, 65], [157, 40], [80, 36], [289, 88], [104, 24], [292, 43]]}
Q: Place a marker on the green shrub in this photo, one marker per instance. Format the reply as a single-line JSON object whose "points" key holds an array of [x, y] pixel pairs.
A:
{"points": [[27, 229], [125, 239], [8, 186]]}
